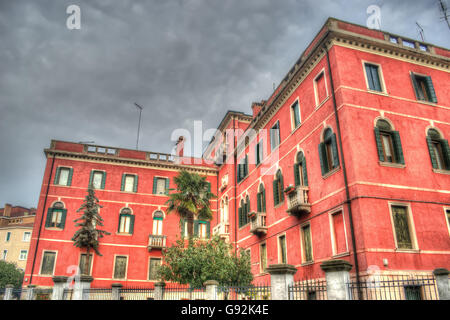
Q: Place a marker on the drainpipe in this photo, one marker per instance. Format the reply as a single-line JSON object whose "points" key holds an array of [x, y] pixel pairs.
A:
{"points": [[42, 218], [347, 192], [235, 184]]}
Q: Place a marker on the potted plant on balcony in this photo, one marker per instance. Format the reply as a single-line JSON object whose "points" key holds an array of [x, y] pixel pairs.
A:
{"points": [[289, 189], [252, 215]]}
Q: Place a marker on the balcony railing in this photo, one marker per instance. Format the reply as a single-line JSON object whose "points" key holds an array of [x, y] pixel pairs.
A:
{"points": [[222, 230], [298, 201], [258, 223], [156, 242]]}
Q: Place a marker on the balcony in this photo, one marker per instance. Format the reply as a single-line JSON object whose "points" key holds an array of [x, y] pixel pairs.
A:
{"points": [[258, 223], [222, 230], [298, 201], [156, 242]]}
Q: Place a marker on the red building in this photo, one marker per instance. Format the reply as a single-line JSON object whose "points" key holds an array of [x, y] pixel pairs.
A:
{"points": [[348, 159]]}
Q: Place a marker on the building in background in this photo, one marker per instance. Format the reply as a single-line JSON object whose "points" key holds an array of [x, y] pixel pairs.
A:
{"points": [[347, 159], [16, 226]]}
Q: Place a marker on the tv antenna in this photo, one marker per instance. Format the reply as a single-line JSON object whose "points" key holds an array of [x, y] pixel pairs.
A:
{"points": [[139, 125], [443, 9], [421, 32]]}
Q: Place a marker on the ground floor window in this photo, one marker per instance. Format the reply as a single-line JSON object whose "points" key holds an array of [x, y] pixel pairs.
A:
{"points": [[120, 267], [154, 265], [48, 263]]}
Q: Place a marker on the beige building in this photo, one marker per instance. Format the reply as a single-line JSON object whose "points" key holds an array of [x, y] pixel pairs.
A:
{"points": [[16, 226]]}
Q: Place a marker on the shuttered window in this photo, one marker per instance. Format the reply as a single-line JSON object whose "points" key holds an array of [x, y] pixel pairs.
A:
{"points": [[278, 185], [328, 152], [275, 136], [120, 267], [439, 150], [373, 77], [56, 218], [261, 199], [48, 263], [307, 244], [389, 146], [63, 176], [402, 227], [300, 172], [98, 179], [423, 88], [259, 153], [161, 186], [129, 183], [295, 113], [126, 221]]}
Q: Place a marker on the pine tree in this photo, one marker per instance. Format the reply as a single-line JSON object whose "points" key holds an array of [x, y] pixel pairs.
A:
{"points": [[87, 236]]}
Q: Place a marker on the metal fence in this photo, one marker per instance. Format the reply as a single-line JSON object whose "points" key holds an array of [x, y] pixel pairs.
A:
{"points": [[394, 287], [174, 291], [137, 294], [43, 294], [252, 292], [309, 289], [97, 294]]}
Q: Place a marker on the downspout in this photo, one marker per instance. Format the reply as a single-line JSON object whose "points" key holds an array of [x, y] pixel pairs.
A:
{"points": [[347, 191], [42, 218], [235, 184]]}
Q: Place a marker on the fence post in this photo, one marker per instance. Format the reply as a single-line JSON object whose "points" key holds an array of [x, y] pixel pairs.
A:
{"points": [[115, 291], [30, 292], [8, 292], [159, 290], [58, 287], [211, 289], [80, 287], [281, 277], [442, 283], [337, 275]]}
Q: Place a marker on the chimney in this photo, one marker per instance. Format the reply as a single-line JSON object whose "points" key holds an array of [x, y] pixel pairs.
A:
{"points": [[180, 147], [256, 107], [7, 210]]}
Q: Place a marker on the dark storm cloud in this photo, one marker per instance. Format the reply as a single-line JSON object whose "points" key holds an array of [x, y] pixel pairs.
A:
{"points": [[183, 60]]}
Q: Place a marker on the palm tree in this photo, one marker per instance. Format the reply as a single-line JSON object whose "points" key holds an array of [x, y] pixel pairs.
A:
{"points": [[191, 199]]}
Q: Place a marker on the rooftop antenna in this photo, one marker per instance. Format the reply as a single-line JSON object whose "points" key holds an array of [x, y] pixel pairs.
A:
{"points": [[443, 9], [421, 32], [139, 125]]}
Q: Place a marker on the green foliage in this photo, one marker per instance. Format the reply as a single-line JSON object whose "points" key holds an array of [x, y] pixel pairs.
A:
{"points": [[10, 274], [192, 196], [88, 234], [201, 261]]}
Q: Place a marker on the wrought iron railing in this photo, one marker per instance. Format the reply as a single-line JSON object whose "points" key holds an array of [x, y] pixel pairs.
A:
{"points": [[309, 289], [174, 291], [238, 292], [137, 293]]}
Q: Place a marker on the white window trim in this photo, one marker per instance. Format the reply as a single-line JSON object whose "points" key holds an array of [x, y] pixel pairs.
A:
{"points": [[54, 265], [304, 262], [293, 127], [126, 267], [261, 269], [103, 178], [380, 76], [63, 167], [280, 260], [279, 135], [161, 194], [26, 255], [92, 262], [148, 268], [412, 230], [333, 238], [23, 237], [134, 181], [316, 92]]}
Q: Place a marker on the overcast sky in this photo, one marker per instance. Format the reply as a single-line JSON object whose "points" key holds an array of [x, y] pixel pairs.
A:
{"points": [[182, 60]]}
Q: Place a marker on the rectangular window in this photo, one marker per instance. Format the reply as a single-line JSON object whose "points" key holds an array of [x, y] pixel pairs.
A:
{"points": [[409, 44], [64, 176], [120, 267], [83, 264], [295, 112], [125, 223], [157, 226], [282, 246], [56, 218], [393, 39], [26, 236], [320, 88], [259, 153], [263, 257], [202, 232], [8, 236], [436, 148], [48, 263], [373, 77], [402, 227], [23, 255], [423, 87], [338, 229], [388, 147], [306, 243], [129, 183], [154, 265], [4, 254], [97, 179], [160, 186], [275, 136]]}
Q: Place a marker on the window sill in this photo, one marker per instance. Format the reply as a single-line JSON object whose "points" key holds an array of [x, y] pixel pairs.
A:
{"points": [[339, 255], [441, 171], [54, 229], [380, 93], [129, 192], [322, 103], [330, 173], [61, 185], [123, 234], [428, 103], [407, 250], [309, 263], [392, 164]]}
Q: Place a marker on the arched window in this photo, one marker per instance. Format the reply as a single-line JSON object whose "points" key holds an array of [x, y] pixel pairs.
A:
{"points": [[388, 143], [56, 216], [158, 218], [300, 175], [126, 221], [328, 152], [261, 199], [278, 195], [439, 150]]}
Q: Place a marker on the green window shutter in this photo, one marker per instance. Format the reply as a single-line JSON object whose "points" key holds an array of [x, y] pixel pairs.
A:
{"points": [[379, 144], [103, 181], [430, 89], [155, 183], [208, 229], [57, 175], [258, 199], [432, 154], [305, 172], [118, 227], [196, 228], [282, 188], [63, 219], [296, 174], [182, 222], [264, 200], [131, 224], [238, 174], [257, 154], [209, 186], [48, 220], [398, 147], [240, 217], [91, 177], [323, 159], [167, 186], [446, 152], [122, 186], [415, 86], [246, 166], [69, 181], [276, 200], [135, 186], [334, 149]]}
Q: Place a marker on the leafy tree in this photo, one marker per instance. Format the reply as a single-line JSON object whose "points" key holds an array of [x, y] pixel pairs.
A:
{"points": [[87, 236], [10, 274], [192, 198], [201, 261]]}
